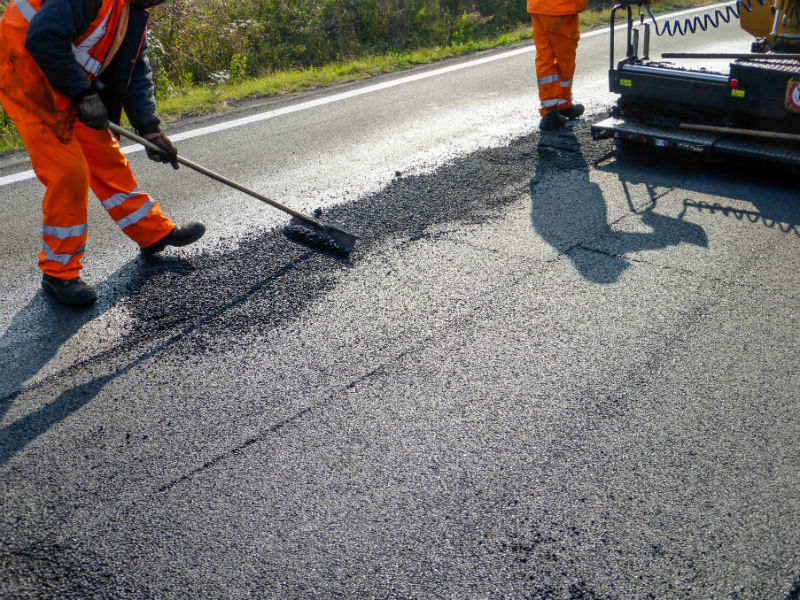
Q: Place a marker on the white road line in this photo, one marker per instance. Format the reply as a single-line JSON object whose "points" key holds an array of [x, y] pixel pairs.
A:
{"points": [[25, 175]]}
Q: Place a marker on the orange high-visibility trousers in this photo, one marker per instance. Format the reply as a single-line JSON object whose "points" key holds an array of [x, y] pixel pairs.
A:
{"points": [[90, 159], [556, 40]]}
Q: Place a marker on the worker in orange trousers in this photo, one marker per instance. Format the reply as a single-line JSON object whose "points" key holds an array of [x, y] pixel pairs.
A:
{"points": [[68, 68], [556, 34]]}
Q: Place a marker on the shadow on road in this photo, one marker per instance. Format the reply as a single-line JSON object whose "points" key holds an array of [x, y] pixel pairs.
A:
{"points": [[569, 211], [738, 179], [36, 334], [42, 343], [794, 594]]}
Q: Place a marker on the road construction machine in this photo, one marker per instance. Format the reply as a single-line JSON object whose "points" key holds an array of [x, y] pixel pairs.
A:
{"points": [[749, 106]]}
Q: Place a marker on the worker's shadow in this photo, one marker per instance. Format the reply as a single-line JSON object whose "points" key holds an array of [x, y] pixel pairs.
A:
{"points": [[36, 334], [569, 212]]}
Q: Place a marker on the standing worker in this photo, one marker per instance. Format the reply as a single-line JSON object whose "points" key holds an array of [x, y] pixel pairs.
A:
{"points": [[556, 35], [67, 68]]}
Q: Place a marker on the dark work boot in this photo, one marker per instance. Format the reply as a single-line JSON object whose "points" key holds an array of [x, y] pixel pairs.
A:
{"points": [[74, 292], [552, 120], [179, 236], [573, 111]]}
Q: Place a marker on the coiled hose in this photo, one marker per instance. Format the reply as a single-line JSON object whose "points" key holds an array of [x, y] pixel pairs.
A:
{"points": [[704, 21]]}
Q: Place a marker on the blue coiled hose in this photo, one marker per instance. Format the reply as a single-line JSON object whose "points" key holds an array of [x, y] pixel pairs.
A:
{"points": [[703, 22]]}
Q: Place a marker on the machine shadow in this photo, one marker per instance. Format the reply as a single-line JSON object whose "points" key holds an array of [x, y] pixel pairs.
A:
{"points": [[570, 221], [37, 332], [736, 178]]}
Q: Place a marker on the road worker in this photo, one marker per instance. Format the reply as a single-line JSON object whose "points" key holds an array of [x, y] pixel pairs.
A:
{"points": [[67, 68], [556, 35]]}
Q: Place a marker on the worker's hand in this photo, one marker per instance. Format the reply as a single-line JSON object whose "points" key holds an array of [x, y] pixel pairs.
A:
{"points": [[92, 112], [167, 152]]}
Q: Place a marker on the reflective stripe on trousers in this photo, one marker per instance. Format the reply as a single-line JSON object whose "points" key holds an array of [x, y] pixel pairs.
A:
{"points": [[91, 159], [61, 239], [556, 40], [64, 259]]}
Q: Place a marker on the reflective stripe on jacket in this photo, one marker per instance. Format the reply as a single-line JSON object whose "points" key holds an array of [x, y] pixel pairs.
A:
{"points": [[556, 7], [91, 47], [49, 52]]}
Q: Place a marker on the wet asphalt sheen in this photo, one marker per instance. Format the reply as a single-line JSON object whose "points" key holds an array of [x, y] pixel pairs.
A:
{"points": [[548, 370]]}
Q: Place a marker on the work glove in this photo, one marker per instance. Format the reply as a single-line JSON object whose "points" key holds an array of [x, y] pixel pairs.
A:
{"points": [[92, 112], [167, 152]]}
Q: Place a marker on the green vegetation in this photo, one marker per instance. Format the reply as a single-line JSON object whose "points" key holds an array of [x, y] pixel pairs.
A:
{"points": [[8, 134], [208, 53], [203, 98]]}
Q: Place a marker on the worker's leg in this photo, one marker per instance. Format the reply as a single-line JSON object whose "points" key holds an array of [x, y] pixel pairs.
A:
{"points": [[62, 168], [547, 76], [112, 181], [564, 39]]}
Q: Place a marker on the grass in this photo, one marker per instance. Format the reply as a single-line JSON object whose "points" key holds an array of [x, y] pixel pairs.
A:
{"points": [[216, 98], [203, 99]]}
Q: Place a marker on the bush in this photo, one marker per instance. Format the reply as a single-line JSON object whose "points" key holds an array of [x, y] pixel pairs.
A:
{"points": [[7, 130], [200, 41]]}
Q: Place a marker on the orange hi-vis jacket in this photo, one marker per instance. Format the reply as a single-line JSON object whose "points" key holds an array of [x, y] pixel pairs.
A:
{"points": [[68, 157], [92, 50], [556, 7], [555, 33]]}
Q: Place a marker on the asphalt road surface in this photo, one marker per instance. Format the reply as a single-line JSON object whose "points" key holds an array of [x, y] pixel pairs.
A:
{"points": [[549, 370]]}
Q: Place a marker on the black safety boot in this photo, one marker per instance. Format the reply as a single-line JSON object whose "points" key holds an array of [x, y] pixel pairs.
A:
{"points": [[573, 111], [552, 120], [179, 236], [74, 292]]}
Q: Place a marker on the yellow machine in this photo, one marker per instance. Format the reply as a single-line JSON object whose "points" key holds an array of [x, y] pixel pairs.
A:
{"points": [[751, 108], [777, 23]]}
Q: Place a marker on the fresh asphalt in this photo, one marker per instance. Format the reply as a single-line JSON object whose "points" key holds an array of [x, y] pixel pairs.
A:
{"points": [[548, 370]]}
